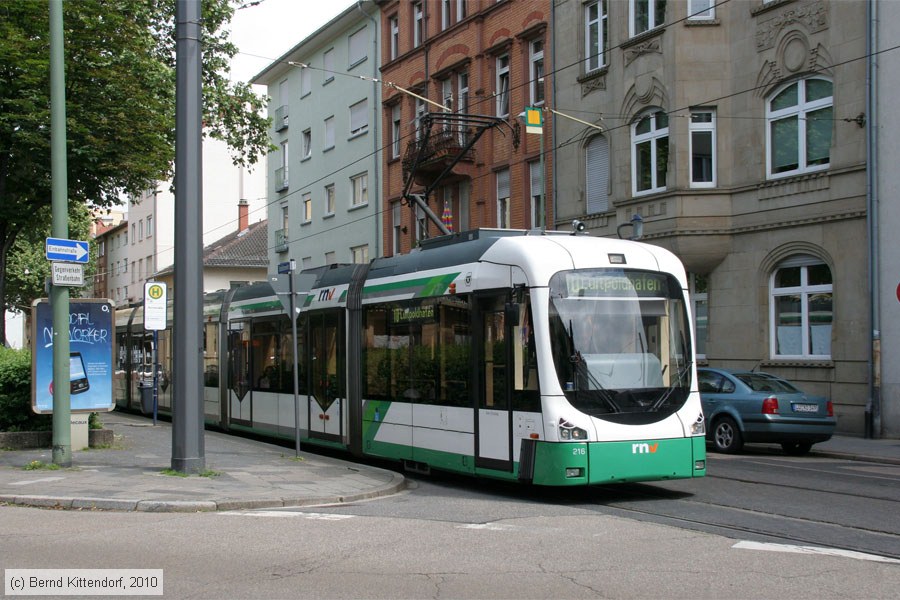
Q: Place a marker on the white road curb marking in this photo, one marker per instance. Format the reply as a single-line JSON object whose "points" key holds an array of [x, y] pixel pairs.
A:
{"points": [[813, 550]]}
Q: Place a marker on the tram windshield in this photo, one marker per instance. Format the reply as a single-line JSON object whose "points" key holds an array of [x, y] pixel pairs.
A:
{"points": [[621, 342]]}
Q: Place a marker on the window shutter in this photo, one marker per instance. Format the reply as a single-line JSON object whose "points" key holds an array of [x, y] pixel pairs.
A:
{"points": [[597, 175], [358, 117], [503, 184]]}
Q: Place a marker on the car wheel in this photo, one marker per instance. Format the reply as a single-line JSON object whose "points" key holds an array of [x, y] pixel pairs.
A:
{"points": [[796, 448], [726, 436]]}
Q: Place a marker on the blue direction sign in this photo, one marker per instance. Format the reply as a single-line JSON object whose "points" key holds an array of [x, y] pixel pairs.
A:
{"points": [[67, 250]]}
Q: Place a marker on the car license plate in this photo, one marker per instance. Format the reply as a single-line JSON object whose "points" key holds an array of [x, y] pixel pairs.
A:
{"points": [[806, 408]]}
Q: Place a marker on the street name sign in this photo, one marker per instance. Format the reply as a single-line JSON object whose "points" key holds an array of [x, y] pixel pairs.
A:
{"points": [[67, 250], [67, 274]]}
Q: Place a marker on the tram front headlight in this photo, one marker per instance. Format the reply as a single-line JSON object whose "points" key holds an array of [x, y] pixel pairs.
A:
{"points": [[567, 431], [698, 427]]}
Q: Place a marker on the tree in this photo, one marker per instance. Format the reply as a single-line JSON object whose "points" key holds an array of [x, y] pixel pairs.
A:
{"points": [[120, 104]]}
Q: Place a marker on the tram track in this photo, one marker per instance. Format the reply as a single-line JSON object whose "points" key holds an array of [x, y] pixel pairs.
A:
{"points": [[675, 508]]}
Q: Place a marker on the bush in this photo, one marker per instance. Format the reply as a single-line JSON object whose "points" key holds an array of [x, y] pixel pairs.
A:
{"points": [[15, 393]]}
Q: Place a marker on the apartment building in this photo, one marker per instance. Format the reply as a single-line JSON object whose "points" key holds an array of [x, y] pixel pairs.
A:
{"points": [[737, 132], [324, 176], [453, 134]]}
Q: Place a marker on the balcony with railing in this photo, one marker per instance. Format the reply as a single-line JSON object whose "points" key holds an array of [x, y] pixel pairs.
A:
{"points": [[281, 118], [441, 149], [281, 179], [281, 240]]}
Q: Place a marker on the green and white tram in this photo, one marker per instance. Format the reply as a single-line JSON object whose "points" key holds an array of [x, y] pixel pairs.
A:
{"points": [[547, 358]]}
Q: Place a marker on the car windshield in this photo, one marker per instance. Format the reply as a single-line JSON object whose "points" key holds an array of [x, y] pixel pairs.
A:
{"points": [[621, 342], [761, 382]]}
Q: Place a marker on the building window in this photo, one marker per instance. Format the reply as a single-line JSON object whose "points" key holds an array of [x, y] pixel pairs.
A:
{"points": [[646, 15], [359, 118], [284, 221], [360, 185], [460, 10], [596, 175], [101, 248], [502, 85], [148, 263], [537, 72], [307, 207], [596, 35], [799, 128], [699, 288], [149, 225], [537, 193], [395, 131], [420, 113], [418, 25], [503, 198], [141, 230], [701, 10], [801, 309], [421, 224], [445, 14], [133, 233], [305, 81], [330, 258], [397, 228], [360, 254], [462, 105], [703, 148], [307, 144], [357, 47], [394, 25], [281, 173], [650, 153], [329, 133], [328, 66], [329, 199]]}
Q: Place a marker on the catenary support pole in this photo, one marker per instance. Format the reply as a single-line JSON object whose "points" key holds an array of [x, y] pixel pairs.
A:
{"points": [[187, 406], [59, 295]]}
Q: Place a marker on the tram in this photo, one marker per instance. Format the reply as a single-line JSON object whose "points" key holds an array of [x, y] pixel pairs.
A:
{"points": [[546, 358]]}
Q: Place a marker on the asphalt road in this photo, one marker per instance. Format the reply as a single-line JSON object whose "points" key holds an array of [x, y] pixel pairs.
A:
{"points": [[762, 526]]}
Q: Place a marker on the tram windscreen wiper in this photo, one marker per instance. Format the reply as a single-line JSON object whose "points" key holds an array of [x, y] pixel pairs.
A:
{"points": [[581, 366], [675, 384]]}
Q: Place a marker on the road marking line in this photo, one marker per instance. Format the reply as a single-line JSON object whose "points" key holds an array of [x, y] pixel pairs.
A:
{"points": [[487, 526], [813, 550], [30, 481], [284, 513]]}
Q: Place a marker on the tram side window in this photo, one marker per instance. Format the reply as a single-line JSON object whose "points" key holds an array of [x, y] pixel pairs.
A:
{"points": [[288, 361], [211, 355], [271, 356], [526, 394], [418, 352], [239, 360]]}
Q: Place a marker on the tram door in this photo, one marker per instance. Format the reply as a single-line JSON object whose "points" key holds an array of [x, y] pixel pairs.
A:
{"points": [[327, 354], [493, 449]]}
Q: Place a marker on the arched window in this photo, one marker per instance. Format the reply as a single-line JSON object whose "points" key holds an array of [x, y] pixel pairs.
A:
{"points": [[596, 175], [650, 153], [801, 309], [800, 118]]}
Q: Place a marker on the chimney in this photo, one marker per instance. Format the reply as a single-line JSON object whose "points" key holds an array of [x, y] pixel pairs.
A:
{"points": [[243, 215]]}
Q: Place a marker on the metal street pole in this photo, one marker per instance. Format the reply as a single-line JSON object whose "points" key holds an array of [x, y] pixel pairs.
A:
{"points": [[295, 368], [187, 377], [59, 295]]}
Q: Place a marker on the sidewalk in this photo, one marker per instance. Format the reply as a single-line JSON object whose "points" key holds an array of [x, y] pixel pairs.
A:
{"points": [[244, 473]]}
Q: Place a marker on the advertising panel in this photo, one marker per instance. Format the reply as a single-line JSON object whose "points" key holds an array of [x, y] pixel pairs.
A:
{"points": [[91, 352]]}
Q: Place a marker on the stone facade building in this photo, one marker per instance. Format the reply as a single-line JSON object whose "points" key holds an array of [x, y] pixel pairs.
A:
{"points": [[737, 131]]}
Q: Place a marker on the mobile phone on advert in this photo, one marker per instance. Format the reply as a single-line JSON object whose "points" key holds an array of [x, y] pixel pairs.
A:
{"points": [[78, 381]]}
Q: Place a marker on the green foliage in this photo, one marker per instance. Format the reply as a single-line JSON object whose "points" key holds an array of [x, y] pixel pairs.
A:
{"points": [[120, 109], [36, 465], [15, 394]]}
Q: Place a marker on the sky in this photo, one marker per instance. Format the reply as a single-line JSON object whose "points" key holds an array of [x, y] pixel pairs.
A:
{"points": [[265, 31]]}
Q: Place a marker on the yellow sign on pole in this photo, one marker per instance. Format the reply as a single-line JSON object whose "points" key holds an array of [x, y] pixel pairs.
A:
{"points": [[534, 120]]}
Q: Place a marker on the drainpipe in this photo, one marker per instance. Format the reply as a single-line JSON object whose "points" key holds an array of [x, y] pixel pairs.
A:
{"points": [[553, 93], [376, 143], [873, 403]]}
